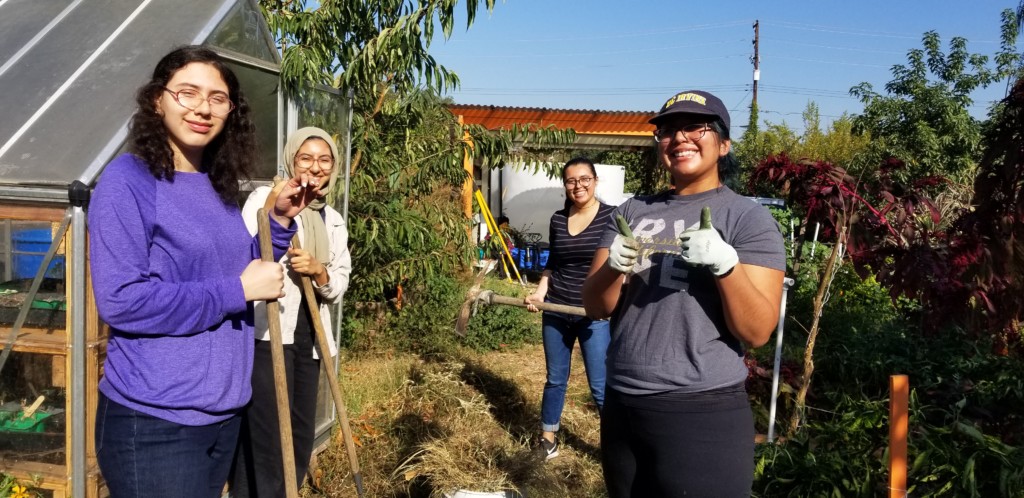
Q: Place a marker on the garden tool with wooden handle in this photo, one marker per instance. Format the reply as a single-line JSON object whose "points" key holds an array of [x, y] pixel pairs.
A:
{"points": [[477, 297], [332, 379], [489, 297], [284, 418]]}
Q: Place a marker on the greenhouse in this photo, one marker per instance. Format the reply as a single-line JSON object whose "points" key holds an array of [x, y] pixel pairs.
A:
{"points": [[68, 73]]}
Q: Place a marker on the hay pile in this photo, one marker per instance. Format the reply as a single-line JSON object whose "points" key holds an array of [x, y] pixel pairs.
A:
{"points": [[430, 428], [469, 450]]}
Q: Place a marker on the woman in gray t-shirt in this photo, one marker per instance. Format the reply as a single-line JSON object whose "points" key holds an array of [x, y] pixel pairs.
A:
{"points": [[699, 278]]}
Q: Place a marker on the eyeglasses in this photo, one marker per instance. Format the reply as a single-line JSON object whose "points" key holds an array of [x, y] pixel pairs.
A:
{"points": [[583, 181], [305, 162], [220, 104], [693, 132]]}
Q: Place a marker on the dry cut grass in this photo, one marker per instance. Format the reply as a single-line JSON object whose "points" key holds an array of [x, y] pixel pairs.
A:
{"points": [[429, 427]]}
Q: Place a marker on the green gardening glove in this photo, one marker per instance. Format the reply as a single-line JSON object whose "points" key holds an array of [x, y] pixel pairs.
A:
{"points": [[705, 247]]}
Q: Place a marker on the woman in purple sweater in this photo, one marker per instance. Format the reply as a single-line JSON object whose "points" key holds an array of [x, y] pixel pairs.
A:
{"points": [[174, 271]]}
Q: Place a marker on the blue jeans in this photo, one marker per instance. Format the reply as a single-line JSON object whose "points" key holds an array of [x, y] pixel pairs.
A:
{"points": [[560, 335], [145, 456]]}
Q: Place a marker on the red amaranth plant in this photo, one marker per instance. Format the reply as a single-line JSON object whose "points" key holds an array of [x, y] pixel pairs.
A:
{"points": [[969, 272]]}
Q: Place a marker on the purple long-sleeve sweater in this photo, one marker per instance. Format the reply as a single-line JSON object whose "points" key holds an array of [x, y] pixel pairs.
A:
{"points": [[166, 258]]}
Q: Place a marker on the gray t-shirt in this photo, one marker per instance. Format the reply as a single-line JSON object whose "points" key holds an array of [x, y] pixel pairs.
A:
{"points": [[669, 331]]}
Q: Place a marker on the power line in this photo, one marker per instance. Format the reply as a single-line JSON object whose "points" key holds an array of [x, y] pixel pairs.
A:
{"points": [[796, 113], [840, 30], [579, 54], [738, 104], [596, 91], [831, 47], [651, 63], [849, 31], [804, 90], [636, 34], [820, 61]]}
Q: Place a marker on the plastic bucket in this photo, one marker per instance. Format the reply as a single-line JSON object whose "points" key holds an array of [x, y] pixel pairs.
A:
{"points": [[542, 260], [30, 246]]}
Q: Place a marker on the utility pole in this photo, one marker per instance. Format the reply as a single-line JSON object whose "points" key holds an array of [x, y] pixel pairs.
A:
{"points": [[756, 60]]}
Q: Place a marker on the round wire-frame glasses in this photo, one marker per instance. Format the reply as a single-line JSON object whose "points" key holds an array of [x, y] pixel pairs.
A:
{"points": [[306, 162], [220, 104]]}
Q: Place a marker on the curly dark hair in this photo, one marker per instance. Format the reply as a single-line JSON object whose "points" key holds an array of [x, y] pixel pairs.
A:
{"points": [[227, 159]]}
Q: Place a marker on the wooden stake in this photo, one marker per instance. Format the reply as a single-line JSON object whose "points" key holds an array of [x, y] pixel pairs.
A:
{"points": [[899, 393], [332, 379], [31, 410], [284, 417]]}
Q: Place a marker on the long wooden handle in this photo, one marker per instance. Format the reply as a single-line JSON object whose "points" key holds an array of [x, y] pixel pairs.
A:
{"points": [[518, 301], [332, 381], [284, 417]]}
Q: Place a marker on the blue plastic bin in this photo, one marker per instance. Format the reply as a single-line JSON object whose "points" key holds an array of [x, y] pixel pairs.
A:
{"points": [[30, 245], [542, 261]]}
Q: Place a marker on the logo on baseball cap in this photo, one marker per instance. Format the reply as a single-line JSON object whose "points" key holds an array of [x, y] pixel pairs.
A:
{"points": [[692, 102]]}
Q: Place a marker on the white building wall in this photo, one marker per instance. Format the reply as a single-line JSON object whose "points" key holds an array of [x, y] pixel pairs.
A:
{"points": [[530, 199]]}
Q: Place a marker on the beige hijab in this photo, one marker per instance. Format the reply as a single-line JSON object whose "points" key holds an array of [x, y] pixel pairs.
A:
{"points": [[313, 227]]}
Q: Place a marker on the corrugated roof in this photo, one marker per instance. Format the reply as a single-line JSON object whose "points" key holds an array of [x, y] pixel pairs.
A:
{"points": [[584, 122]]}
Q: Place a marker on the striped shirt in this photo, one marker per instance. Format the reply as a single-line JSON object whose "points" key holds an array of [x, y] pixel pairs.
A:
{"points": [[570, 257]]}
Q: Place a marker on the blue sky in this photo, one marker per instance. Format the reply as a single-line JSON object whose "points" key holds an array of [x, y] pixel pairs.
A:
{"points": [[632, 55]]}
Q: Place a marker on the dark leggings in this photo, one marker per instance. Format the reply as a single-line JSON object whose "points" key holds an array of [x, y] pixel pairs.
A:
{"points": [[258, 471], [699, 444]]}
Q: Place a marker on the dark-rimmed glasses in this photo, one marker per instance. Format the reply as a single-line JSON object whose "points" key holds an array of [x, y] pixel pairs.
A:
{"points": [[693, 132], [220, 104], [305, 162], [583, 181]]}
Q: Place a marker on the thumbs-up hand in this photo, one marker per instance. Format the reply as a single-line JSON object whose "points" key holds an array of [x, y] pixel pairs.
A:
{"points": [[624, 249], [705, 247]]}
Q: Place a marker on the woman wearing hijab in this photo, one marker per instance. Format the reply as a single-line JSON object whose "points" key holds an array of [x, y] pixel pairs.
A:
{"points": [[324, 258]]}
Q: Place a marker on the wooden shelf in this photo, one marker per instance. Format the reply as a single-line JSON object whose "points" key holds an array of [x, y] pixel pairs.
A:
{"points": [[52, 477], [36, 340], [46, 341]]}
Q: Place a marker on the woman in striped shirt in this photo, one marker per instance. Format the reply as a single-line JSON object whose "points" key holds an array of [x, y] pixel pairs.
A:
{"points": [[574, 234]]}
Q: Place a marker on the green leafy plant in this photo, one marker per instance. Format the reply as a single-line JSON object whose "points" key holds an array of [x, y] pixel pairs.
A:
{"points": [[10, 487], [497, 327], [425, 323], [844, 452], [839, 456], [923, 116]]}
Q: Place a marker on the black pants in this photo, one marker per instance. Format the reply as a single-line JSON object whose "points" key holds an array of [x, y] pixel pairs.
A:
{"points": [[697, 444], [258, 471]]}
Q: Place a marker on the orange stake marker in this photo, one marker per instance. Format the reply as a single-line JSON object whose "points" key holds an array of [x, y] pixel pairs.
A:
{"points": [[899, 394]]}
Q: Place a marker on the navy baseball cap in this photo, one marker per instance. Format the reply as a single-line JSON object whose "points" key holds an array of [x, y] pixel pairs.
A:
{"points": [[692, 102]]}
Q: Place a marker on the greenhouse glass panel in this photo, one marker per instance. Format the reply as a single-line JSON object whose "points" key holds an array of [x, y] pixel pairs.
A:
{"points": [[69, 80], [243, 31], [260, 88]]}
